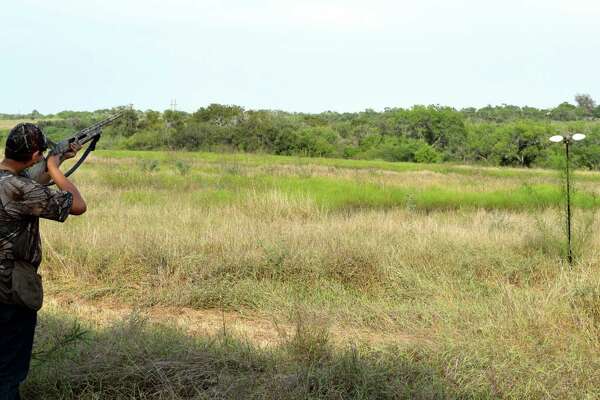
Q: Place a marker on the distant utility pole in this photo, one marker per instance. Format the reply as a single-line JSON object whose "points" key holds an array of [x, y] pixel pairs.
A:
{"points": [[173, 109]]}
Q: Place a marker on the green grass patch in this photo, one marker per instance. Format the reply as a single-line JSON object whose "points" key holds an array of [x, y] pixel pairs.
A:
{"points": [[214, 197], [335, 195], [223, 184], [144, 198], [244, 159]]}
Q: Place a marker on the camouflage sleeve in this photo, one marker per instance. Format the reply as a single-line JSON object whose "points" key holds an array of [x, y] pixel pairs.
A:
{"points": [[39, 201]]}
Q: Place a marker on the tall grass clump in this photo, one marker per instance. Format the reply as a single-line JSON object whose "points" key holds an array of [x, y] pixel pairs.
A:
{"points": [[182, 167], [133, 359]]}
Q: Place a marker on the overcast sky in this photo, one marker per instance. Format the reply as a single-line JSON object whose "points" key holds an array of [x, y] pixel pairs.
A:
{"points": [[304, 55]]}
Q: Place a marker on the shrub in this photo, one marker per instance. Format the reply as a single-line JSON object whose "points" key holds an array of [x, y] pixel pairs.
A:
{"points": [[149, 166], [427, 154], [182, 167]]}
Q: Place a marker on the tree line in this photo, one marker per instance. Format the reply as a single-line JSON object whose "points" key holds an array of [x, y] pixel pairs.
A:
{"points": [[494, 135]]}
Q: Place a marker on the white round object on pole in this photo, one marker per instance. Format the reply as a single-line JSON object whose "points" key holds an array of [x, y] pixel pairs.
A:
{"points": [[578, 136], [557, 138]]}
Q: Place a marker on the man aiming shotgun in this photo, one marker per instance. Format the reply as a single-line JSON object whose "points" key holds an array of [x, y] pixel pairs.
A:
{"points": [[24, 198]]}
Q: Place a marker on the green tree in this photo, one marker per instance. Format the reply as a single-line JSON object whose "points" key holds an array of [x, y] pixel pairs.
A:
{"points": [[585, 103], [219, 115], [194, 136], [481, 141], [316, 141], [267, 131], [440, 127], [35, 114], [427, 154], [127, 125], [174, 119], [564, 112], [521, 143]]}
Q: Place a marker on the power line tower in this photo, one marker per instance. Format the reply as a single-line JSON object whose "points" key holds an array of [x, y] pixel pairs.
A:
{"points": [[167, 123]]}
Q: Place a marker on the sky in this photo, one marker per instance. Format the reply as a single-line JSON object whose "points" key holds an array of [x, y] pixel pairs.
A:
{"points": [[302, 56]]}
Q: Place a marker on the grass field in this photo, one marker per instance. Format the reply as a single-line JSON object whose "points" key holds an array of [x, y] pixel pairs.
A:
{"points": [[7, 124], [322, 278]]}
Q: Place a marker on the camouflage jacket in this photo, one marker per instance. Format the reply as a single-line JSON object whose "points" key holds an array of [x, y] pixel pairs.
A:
{"points": [[22, 202]]}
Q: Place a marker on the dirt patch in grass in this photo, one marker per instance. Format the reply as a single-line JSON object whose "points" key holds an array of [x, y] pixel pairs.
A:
{"points": [[260, 330]]}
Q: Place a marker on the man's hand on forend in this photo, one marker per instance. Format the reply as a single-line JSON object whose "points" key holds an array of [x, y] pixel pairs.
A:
{"points": [[74, 148]]}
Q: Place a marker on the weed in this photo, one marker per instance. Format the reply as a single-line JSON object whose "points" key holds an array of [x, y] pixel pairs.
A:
{"points": [[149, 166], [182, 167], [310, 342], [585, 300]]}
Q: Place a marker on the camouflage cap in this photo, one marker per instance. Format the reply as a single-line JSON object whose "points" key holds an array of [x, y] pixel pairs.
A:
{"points": [[24, 139]]}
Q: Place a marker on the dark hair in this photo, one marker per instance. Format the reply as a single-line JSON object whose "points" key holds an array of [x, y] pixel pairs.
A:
{"points": [[24, 140]]}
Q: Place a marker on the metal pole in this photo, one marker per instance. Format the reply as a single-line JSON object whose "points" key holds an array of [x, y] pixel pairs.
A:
{"points": [[569, 250]]}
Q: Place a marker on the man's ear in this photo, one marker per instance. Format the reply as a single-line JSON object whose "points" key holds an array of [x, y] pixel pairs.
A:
{"points": [[36, 155]]}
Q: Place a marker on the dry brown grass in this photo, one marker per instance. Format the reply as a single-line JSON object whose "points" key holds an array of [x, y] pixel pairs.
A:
{"points": [[486, 288], [10, 123]]}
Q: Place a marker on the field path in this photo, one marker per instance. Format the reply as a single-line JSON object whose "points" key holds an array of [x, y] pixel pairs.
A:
{"points": [[259, 330]]}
